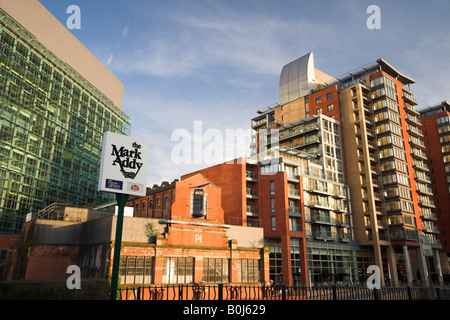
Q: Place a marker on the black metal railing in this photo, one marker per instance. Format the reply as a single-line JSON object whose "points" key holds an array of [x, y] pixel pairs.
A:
{"points": [[278, 292]]}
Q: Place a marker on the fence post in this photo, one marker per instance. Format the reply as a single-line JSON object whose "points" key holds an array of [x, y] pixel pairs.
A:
{"points": [[438, 293], [283, 292], [375, 294], [334, 293], [138, 293], [220, 288], [409, 292]]}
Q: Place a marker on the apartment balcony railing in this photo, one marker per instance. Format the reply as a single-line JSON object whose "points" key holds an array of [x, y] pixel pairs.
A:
{"points": [[319, 189], [420, 176], [295, 211], [425, 190], [418, 154], [420, 165], [323, 218], [251, 193], [416, 142], [409, 108], [259, 123], [250, 176], [294, 193], [252, 211], [320, 204], [344, 236], [413, 120], [340, 208], [339, 194], [415, 131], [427, 215], [292, 133], [409, 98], [325, 235], [430, 228], [341, 222], [306, 142], [381, 236], [426, 203]]}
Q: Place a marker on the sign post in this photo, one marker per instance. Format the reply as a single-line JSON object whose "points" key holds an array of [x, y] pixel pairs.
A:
{"points": [[121, 202], [427, 251], [123, 171]]}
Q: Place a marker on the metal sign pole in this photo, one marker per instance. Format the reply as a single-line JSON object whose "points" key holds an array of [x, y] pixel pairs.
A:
{"points": [[121, 202]]}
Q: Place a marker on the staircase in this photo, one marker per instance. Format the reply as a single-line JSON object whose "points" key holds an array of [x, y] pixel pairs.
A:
{"points": [[55, 211]]}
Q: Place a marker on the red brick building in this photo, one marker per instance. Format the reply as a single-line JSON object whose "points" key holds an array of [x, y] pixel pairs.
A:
{"points": [[436, 137], [197, 237], [271, 201], [185, 242]]}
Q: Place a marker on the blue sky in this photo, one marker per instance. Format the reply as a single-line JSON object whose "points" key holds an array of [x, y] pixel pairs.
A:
{"points": [[218, 62]]}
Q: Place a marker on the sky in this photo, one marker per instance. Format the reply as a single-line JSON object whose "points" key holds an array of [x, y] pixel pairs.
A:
{"points": [[196, 71]]}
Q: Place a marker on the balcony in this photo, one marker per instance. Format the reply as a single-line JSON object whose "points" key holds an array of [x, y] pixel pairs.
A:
{"points": [[323, 219], [369, 121], [294, 193], [338, 194], [414, 131], [319, 189], [429, 227], [250, 176], [295, 212], [320, 204], [416, 142], [341, 208], [419, 154], [259, 123], [251, 211], [382, 225], [369, 133], [409, 108], [342, 221], [426, 214], [251, 193], [424, 190], [344, 237], [422, 177], [306, 142], [420, 165], [413, 120], [293, 177], [325, 235], [426, 203], [298, 131], [409, 98]]}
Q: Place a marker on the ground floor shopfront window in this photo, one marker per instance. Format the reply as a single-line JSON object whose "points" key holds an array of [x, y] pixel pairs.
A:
{"points": [[330, 264]]}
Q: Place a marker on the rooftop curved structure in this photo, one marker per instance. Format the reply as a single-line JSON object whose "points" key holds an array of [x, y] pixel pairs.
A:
{"points": [[296, 79]]}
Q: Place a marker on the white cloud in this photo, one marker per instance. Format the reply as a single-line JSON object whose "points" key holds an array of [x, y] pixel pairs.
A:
{"points": [[110, 59], [205, 40], [125, 32]]}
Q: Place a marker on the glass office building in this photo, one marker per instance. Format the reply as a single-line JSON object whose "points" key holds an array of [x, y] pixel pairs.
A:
{"points": [[52, 122]]}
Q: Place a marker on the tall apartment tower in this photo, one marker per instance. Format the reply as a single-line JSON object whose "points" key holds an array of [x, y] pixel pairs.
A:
{"points": [[56, 101], [436, 136], [383, 158]]}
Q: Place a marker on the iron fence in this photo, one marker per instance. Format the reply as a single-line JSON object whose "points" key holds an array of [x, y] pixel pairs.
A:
{"points": [[278, 292]]}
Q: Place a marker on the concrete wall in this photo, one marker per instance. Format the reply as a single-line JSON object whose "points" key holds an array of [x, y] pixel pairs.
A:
{"points": [[246, 237]]}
